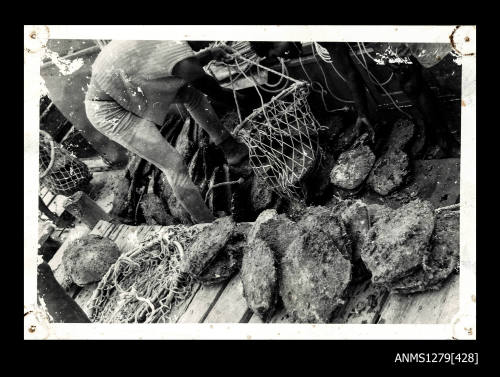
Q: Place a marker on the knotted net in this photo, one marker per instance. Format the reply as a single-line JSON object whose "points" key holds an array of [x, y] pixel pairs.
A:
{"points": [[282, 137], [61, 172], [145, 284]]}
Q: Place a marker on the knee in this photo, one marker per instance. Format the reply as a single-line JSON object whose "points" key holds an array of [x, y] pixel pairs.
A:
{"points": [[97, 118], [188, 69]]}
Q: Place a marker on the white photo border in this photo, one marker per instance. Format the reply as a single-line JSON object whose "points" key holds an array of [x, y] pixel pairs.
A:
{"points": [[464, 324]]}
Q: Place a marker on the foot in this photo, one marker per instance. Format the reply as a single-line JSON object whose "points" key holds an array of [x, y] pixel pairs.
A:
{"points": [[234, 151]]}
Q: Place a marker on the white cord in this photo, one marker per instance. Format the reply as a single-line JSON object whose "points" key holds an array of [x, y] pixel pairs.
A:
{"points": [[325, 56], [377, 82], [345, 108]]}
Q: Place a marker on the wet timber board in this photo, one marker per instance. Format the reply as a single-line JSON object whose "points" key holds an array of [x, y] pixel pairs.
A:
{"points": [[198, 307], [364, 303]]}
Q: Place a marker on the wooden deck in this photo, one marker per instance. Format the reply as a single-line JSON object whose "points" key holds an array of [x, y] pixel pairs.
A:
{"points": [[225, 302], [365, 303]]}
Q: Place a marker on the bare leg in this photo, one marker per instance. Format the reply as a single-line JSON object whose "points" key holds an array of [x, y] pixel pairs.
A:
{"points": [[144, 139]]}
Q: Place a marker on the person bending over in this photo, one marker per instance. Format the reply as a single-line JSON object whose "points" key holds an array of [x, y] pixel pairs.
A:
{"points": [[132, 86]]}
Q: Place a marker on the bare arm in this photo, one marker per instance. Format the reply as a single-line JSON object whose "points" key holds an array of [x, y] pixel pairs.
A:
{"points": [[204, 56], [209, 54]]}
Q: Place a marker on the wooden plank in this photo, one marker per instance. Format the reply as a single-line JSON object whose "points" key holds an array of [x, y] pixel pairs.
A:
{"points": [[131, 239], [94, 162], [231, 306], [140, 234], [114, 231], [58, 233], [85, 209], [255, 319], [125, 240], [56, 205], [121, 230], [99, 227], [65, 234], [363, 304], [109, 230], [84, 296], [433, 307], [47, 196], [45, 230], [49, 201], [281, 316], [43, 191], [202, 303], [178, 311]]}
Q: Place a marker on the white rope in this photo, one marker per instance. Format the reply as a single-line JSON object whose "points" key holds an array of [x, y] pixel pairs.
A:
{"points": [[238, 54], [234, 95], [284, 72], [321, 91], [448, 208], [326, 84], [367, 53], [362, 55], [325, 56], [377, 82], [263, 105], [366, 66]]}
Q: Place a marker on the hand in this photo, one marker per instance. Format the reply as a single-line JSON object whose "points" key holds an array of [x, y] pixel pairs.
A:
{"points": [[221, 53], [363, 120]]}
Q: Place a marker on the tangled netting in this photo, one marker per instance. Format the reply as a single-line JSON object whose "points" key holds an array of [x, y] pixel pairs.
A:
{"points": [[282, 137], [62, 173], [145, 284]]}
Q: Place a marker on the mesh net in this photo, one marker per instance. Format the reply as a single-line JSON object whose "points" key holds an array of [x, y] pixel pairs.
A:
{"points": [[282, 137], [62, 173], [145, 284]]}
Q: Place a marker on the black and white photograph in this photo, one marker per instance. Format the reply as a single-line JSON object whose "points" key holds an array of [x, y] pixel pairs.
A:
{"points": [[318, 176]]}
